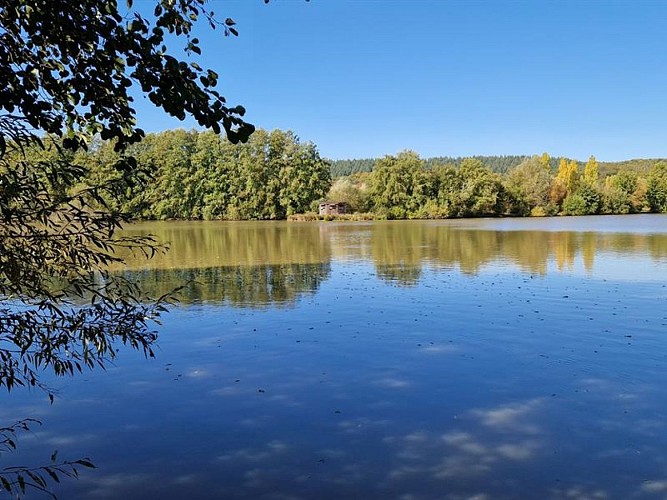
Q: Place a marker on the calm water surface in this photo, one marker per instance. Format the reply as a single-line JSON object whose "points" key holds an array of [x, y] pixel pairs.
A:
{"points": [[410, 360]]}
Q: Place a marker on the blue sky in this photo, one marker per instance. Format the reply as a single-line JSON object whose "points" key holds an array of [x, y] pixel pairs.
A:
{"points": [[365, 78]]}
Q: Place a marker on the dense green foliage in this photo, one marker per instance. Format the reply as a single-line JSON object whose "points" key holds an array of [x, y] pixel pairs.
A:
{"points": [[341, 168], [500, 164], [200, 175], [405, 186], [67, 67], [640, 166], [529, 184], [402, 186], [656, 193]]}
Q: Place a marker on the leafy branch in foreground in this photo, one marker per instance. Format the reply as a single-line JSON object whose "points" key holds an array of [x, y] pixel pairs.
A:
{"points": [[18, 479], [67, 69], [70, 65], [61, 306]]}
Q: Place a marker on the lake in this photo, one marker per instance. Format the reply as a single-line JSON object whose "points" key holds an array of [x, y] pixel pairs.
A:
{"points": [[488, 358]]}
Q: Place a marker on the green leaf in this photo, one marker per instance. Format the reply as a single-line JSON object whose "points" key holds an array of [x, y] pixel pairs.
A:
{"points": [[85, 463], [5, 483], [52, 473], [39, 480]]}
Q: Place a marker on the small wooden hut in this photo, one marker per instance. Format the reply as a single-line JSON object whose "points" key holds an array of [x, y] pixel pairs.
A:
{"points": [[333, 208]]}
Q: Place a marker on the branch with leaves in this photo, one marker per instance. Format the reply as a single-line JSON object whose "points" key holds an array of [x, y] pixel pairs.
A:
{"points": [[17, 480], [69, 67], [61, 307]]}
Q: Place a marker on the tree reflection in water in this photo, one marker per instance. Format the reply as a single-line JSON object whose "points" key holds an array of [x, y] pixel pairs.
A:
{"points": [[400, 253], [263, 263]]}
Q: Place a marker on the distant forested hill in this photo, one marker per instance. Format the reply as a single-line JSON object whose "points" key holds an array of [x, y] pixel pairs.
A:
{"points": [[641, 166], [341, 168], [500, 164]]}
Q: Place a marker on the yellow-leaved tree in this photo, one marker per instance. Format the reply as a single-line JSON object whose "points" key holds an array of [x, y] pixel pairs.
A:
{"points": [[591, 172]]}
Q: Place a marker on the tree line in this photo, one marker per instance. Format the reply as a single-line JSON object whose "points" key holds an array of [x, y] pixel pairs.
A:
{"points": [[179, 174], [406, 186], [500, 164], [195, 175]]}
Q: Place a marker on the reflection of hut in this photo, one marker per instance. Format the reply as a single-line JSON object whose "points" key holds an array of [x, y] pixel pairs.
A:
{"points": [[333, 208]]}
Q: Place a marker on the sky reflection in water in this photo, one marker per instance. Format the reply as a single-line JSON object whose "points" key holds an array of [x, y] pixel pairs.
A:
{"points": [[471, 359]]}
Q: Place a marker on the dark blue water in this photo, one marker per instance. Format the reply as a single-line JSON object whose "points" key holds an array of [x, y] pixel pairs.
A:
{"points": [[411, 379]]}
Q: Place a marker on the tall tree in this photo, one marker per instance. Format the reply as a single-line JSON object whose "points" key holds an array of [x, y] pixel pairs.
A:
{"points": [[617, 192], [393, 184], [591, 172], [545, 161], [531, 182], [656, 193], [448, 195], [566, 180], [481, 190]]}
